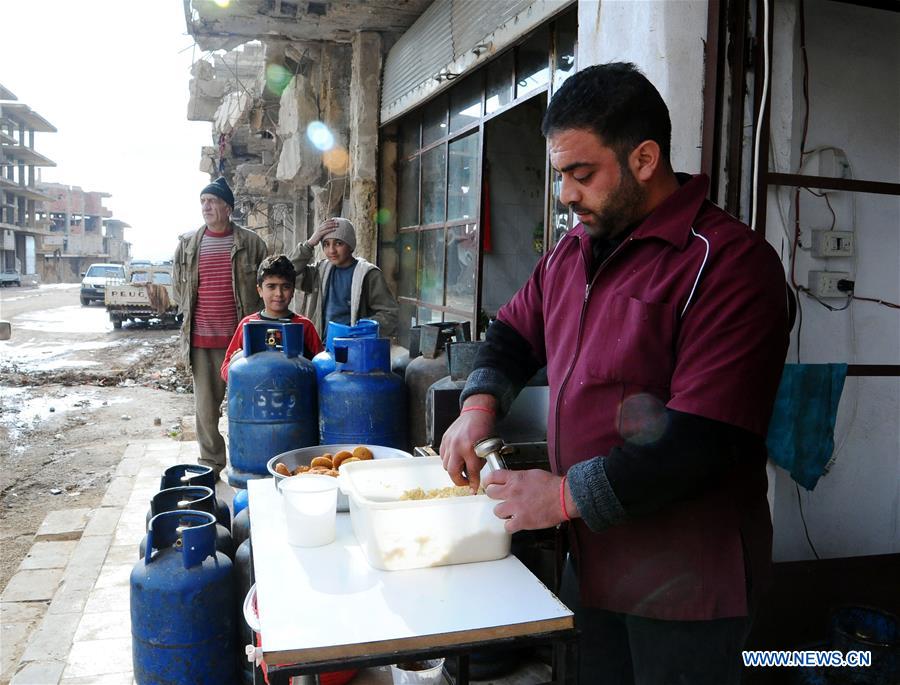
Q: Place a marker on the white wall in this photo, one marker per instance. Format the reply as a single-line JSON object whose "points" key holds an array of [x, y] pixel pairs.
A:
{"points": [[854, 66], [665, 39]]}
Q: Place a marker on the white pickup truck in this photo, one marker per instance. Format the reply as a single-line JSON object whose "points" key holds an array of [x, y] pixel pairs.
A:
{"points": [[146, 295]]}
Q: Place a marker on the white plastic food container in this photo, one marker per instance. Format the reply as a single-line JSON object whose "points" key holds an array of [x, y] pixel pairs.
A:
{"points": [[397, 535]]}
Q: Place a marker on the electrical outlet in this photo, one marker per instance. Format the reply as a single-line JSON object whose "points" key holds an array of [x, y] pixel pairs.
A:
{"points": [[832, 243], [824, 284]]}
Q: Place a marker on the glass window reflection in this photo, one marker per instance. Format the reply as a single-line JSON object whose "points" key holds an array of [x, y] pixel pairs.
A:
{"points": [[434, 120], [434, 184], [462, 202], [498, 89], [431, 275], [462, 255], [566, 37], [408, 193], [465, 103], [533, 68]]}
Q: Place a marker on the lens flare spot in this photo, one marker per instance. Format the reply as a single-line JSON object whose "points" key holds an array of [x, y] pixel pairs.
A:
{"points": [[320, 135], [277, 78], [336, 160], [642, 419], [383, 216], [222, 3]]}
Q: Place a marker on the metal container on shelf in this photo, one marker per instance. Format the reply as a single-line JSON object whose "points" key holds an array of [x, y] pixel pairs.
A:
{"points": [[196, 498], [363, 401], [196, 474], [431, 366], [324, 361], [460, 360], [179, 632], [271, 399]]}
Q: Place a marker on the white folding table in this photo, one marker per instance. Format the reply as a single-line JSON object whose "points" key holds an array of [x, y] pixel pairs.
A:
{"points": [[324, 608]]}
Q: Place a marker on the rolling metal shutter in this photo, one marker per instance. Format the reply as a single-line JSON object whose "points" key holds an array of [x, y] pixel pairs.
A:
{"points": [[451, 38]]}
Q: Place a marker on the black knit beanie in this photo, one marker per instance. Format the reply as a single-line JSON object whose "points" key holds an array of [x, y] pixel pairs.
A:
{"points": [[220, 189]]}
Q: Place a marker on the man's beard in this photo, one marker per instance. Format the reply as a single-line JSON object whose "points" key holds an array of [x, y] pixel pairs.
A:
{"points": [[624, 206]]}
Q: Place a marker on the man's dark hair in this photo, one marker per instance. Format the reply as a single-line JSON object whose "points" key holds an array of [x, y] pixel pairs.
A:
{"points": [[615, 101], [276, 265]]}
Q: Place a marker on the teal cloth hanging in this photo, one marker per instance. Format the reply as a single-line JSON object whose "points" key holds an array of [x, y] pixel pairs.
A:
{"points": [[801, 432]]}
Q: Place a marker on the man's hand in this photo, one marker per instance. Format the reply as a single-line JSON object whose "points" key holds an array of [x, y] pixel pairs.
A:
{"points": [[530, 499], [457, 453], [323, 231]]}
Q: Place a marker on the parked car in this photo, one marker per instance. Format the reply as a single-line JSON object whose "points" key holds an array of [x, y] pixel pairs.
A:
{"points": [[96, 279], [10, 277]]}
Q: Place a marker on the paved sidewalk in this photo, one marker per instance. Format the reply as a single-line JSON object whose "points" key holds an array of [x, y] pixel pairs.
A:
{"points": [[65, 613]]}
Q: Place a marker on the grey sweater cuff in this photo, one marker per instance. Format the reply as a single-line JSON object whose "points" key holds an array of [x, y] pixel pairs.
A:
{"points": [[593, 495], [490, 382]]}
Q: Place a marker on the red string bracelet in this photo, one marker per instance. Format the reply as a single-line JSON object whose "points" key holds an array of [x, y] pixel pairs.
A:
{"points": [[562, 498], [477, 408]]}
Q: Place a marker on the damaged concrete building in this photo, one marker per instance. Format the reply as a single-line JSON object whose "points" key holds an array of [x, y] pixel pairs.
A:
{"points": [[26, 235]]}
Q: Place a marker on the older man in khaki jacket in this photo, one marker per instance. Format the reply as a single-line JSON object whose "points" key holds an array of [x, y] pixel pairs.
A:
{"points": [[215, 287]]}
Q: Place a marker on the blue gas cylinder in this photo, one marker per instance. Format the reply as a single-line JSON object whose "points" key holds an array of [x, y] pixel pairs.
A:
{"points": [[363, 401], [182, 632], [324, 361], [271, 399], [196, 498], [239, 503], [196, 474]]}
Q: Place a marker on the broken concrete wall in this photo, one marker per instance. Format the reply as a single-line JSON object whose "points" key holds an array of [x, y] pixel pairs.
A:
{"points": [[365, 86]]}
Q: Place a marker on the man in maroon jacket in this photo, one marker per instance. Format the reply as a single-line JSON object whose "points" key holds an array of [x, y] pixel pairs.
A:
{"points": [[663, 324]]}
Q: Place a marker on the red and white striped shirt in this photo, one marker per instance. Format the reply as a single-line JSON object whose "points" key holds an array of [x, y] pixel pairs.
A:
{"points": [[215, 313]]}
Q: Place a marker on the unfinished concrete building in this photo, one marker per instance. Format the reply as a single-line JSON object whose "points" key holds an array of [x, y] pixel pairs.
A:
{"points": [[76, 220], [25, 234]]}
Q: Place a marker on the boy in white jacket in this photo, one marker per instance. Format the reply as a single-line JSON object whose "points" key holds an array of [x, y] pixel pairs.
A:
{"points": [[341, 287]]}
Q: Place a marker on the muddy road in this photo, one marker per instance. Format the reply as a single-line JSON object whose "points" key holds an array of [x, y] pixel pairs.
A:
{"points": [[73, 393]]}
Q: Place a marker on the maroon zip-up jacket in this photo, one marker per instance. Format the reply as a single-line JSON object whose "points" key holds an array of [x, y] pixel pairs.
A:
{"points": [[690, 310]]}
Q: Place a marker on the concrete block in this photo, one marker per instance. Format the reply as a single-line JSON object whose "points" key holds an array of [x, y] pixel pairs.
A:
{"points": [[22, 612], [189, 428], [5, 330], [99, 657], [39, 673], [126, 678], [63, 524], [128, 467], [103, 521], [52, 640], [68, 600], [115, 575], [121, 554], [118, 492], [135, 450], [104, 626], [107, 599], [13, 638], [48, 555], [33, 585]]}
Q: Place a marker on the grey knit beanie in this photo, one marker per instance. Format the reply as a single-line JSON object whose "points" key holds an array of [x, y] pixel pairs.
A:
{"points": [[344, 232]]}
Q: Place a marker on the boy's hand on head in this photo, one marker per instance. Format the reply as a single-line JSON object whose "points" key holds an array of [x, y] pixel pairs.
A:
{"points": [[325, 228]]}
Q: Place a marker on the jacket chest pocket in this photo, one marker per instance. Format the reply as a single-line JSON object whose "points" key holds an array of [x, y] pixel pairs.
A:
{"points": [[635, 343]]}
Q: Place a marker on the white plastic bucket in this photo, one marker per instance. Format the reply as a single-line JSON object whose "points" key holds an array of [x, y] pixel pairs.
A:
{"points": [[309, 503]]}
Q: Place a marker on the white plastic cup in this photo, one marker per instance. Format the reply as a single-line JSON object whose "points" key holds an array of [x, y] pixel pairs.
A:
{"points": [[431, 674], [309, 502]]}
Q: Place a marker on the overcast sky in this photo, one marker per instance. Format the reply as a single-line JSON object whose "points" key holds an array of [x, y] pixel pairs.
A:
{"points": [[112, 77]]}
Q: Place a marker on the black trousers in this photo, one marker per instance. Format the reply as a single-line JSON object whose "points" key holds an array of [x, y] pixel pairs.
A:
{"points": [[620, 649]]}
